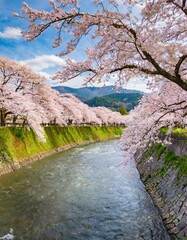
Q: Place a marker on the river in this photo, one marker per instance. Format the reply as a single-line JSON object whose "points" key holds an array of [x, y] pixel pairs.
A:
{"points": [[79, 194]]}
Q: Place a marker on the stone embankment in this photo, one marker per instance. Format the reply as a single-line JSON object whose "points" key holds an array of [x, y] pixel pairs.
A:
{"points": [[164, 173]]}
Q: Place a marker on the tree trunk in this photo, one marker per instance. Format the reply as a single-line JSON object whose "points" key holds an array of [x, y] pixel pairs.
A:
{"points": [[14, 120], [2, 116]]}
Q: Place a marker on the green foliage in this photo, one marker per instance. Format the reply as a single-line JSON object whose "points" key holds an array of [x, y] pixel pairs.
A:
{"points": [[171, 160], [103, 101], [4, 157], [106, 97], [18, 132], [174, 161], [18, 143], [86, 93], [148, 176], [160, 149], [116, 100], [164, 130], [123, 110], [180, 132]]}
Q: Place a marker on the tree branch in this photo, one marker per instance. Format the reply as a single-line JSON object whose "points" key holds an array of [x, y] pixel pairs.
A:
{"points": [[131, 66], [178, 65]]}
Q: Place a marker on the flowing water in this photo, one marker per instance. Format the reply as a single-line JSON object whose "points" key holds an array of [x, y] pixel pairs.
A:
{"points": [[80, 194]]}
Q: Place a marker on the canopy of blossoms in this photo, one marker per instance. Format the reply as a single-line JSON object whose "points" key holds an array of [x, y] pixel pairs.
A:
{"points": [[25, 95], [166, 107], [130, 38]]}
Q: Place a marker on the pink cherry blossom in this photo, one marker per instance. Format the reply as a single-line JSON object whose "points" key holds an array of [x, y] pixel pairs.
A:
{"points": [[25, 95], [165, 107], [144, 39]]}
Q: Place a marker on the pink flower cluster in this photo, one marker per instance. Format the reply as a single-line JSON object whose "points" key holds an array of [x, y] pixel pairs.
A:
{"points": [[144, 39], [24, 94], [165, 107]]}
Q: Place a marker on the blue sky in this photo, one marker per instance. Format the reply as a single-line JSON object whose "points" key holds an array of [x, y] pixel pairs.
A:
{"points": [[37, 54]]}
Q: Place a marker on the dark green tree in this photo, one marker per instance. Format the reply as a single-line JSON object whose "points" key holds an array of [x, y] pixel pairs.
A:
{"points": [[123, 110]]}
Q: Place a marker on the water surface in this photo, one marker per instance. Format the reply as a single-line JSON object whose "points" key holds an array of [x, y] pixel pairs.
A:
{"points": [[79, 194]]}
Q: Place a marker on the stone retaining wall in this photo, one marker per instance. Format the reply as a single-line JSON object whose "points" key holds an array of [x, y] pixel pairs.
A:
{"points": [[165, 179]]}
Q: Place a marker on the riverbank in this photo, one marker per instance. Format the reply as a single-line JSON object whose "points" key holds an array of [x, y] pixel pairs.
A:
{"points": [[20, 147], [164, 173]]}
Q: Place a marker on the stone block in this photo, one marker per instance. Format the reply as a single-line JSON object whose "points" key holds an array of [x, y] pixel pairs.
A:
{"points": [[181, 225]]}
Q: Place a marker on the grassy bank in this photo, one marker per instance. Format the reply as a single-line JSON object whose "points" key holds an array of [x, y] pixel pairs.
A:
{"points": [[170, 160], [177, 132], [17, 144]]}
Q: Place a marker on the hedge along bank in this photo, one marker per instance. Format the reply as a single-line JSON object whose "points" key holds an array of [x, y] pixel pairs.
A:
{"points": [[19, 147]]}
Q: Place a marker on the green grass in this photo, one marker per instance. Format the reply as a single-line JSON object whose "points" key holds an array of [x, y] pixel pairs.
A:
{"points": [[158, 149], [181, 132], [174, 161], [171, 160], [17, 144]]}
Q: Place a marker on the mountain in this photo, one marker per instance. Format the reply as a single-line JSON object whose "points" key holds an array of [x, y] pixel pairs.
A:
{"points": [[116, 100], [86, 93], [106, 96], [102, 101]]}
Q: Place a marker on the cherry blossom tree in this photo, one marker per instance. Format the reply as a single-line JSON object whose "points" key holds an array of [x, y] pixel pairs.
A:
{"points": [[24, 93], [144, 39], [19, 86], [51, 106], [136, 38], [109, 117], [166, 107], [16, 82], [65, 109], [77, 112]]}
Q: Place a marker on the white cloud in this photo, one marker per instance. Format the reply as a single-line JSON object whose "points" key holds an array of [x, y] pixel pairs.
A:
{"points": [[39, 63], [43, 63], [120, 2], [11, 33], [46, 75], [138, 85], [74, 83]]}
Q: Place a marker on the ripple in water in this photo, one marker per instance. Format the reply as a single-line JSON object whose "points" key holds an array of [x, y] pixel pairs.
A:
{"points": [[8, 236], [79, 194]]}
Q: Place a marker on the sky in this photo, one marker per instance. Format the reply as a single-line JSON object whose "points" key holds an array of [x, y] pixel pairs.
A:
{"points": [[38, 54]]}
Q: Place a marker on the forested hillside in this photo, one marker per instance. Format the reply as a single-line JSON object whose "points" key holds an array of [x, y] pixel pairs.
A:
{"points": [[116, 100], [107, 96]]}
